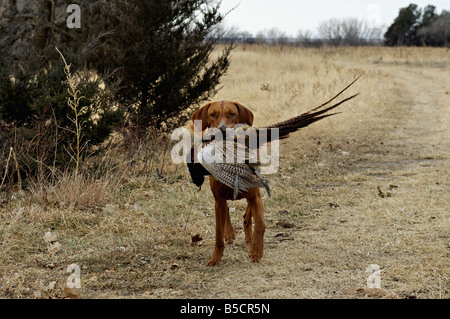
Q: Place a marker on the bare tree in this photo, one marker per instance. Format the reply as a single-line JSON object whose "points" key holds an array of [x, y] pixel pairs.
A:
{"points": [[304, 38], [350, 31], [331, 31], [261, 37], [277, 37]]}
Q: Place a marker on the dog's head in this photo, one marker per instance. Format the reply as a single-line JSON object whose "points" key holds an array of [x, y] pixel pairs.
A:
{"points": [[228, 113]]}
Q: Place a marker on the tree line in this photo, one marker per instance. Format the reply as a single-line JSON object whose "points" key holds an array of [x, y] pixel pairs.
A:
{"points": [[412, 27], [335, 32]]}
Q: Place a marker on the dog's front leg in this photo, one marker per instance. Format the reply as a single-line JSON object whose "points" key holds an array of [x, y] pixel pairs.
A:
{"points": [[221, 215], [230, 234], [248, 226], [257, 240]]}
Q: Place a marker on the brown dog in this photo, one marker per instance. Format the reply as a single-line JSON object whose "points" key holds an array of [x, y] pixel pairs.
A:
{"points": [[230, 113]]}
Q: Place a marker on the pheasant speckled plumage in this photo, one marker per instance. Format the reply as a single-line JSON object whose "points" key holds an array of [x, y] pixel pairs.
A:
{"points": [[232, 162]]}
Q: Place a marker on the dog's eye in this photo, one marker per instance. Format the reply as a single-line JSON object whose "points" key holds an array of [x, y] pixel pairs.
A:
{"points": [[231, 114], [213, 115]]}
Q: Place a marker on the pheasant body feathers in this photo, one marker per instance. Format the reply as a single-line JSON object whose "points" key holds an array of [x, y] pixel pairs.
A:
{"points": [[230, 160]]}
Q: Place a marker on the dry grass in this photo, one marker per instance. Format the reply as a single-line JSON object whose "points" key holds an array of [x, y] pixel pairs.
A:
{"points": [[131, 233]]}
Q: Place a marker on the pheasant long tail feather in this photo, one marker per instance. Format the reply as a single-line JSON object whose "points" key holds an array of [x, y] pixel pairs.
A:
{"points": [[334, 97], [305, 119], [296, 123]]}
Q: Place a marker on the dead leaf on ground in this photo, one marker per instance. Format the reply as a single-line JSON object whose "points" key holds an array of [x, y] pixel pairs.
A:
{"points": [[283, 237], [50, 237], [149, 193], [285, 224], [196, 240], [392, 190], [55, 247], [384, 194], [174, 266], [72, 293]]}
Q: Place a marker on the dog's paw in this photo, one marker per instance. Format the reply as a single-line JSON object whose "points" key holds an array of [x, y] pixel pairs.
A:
{"points": [[256, 253], [213, 262], [256, 257], [230, 237], [216, 258]]}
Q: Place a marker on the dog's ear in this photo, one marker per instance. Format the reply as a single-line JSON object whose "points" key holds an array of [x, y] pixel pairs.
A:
{"points": [[201, 114], [245, 115]]}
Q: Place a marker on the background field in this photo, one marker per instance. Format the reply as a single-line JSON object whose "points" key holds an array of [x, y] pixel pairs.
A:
{"points": [[368, 186]]}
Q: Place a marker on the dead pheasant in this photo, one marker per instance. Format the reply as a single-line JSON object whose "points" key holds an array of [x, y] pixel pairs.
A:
{"points": [[214, 155], [234, 164]]}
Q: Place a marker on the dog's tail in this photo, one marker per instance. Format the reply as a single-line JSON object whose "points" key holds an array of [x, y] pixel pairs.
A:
{"points": [[293, 124]]}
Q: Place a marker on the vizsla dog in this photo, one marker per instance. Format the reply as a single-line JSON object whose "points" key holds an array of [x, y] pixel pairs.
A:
{"points": [[230, 113]]}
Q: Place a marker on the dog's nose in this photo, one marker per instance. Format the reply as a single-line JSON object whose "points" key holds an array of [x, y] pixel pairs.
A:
{"points": [[222, 125]]}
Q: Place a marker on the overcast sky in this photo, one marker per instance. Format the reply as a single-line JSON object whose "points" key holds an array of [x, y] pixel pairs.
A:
{"points": [[292, 15]]}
